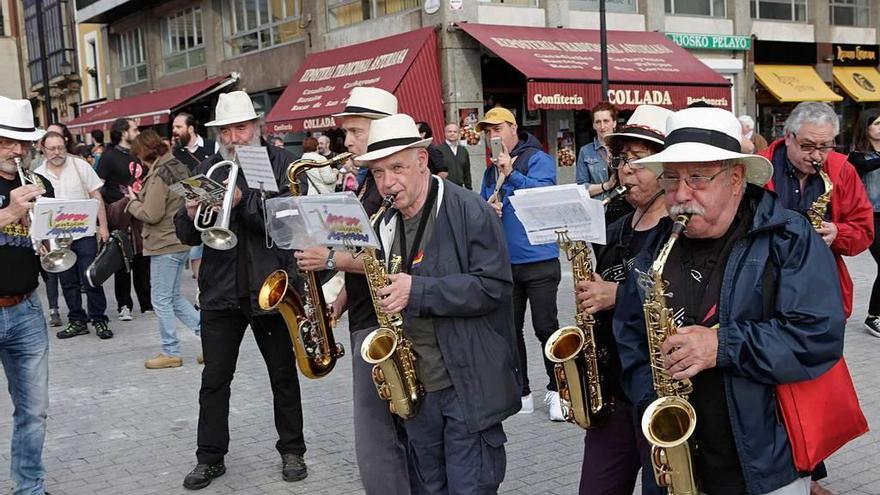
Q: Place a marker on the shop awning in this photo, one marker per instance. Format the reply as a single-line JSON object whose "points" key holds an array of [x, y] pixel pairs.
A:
{"points": [[563, 67], [793, 83], [862, 83], [149, 108], [405, 64]]}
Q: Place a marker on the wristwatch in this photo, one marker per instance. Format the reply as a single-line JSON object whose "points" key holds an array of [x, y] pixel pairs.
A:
{"points": [[331, 263]]}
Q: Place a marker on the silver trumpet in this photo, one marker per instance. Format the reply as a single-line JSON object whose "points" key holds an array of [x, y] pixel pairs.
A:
{"points": [[60, 257], [218, 236]]}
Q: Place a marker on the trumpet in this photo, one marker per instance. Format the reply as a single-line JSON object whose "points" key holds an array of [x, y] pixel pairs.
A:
{"points": [[218, 236], [60, 257]]}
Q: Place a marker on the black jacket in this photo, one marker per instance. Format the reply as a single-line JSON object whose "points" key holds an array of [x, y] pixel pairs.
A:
{"points": [[218, 281], [114, 168], [458, 165]]}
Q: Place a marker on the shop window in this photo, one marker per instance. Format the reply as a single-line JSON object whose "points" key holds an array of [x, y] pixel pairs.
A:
{"points": [[710, 8], [132, 57], [259, 24], [628, 6], [182, 43], [850, 12], [341, 13], [781, 10]]}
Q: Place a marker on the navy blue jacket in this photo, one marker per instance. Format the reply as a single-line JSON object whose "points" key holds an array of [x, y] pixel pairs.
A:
{"points": [[802, 340]]}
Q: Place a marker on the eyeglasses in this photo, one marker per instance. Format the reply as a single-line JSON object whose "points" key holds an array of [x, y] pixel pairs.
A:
{"points": [[811, 147], [55, 149], [8, 144], [617, 162], [695, 182]]}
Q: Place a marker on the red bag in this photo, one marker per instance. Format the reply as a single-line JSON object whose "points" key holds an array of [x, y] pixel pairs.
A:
{"points": [[821, 415]]}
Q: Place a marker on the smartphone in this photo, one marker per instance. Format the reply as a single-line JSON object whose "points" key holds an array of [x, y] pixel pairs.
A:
{"points": [[495, 143]]}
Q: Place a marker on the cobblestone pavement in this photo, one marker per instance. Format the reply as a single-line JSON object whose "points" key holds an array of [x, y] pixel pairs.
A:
{"points": [[118, 428]]}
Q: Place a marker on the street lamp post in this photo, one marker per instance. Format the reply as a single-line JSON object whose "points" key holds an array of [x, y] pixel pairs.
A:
{"points": [[603, 49], [44, 64]]}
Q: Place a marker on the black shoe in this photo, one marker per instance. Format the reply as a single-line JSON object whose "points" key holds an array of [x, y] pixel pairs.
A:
{"points": [[54, 318], [872, 324], [293, 467], [202, 475], [73, 329], [102, 330]]}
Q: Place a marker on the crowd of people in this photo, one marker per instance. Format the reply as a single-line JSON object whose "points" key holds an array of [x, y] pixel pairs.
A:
{"points": [[745, 238]]}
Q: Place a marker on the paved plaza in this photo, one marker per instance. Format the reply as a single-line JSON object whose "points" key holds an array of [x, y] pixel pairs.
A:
{"points": [[118, 428]]}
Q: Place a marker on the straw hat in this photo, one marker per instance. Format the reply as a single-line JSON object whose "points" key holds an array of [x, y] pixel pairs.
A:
{"points": [[17, 120], [371, 103], [232, 108], [390, 135], [647, 122]]}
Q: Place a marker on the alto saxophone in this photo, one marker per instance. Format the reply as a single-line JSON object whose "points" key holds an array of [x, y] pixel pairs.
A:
{"points": [[386, 348], [308, 318], [574, 350], [816, 213], [669, 421]]}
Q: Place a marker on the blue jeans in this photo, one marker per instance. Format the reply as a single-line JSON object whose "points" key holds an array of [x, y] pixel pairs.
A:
{"points": [[24, 352], [168, 303], [86, 249]]}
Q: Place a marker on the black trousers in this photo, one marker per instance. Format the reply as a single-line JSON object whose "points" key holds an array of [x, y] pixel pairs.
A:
{"points": [[536, 284], [222, 332], [874, 304], [140, 271]]}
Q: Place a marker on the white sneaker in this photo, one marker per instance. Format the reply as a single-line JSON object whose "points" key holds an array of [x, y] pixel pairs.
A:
{"points": [[125, 314], [528, 405], [554, 407]]}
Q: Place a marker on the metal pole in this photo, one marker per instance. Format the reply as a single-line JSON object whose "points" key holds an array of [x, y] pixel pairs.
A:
{"points": [[603, 54], [44, 65]]}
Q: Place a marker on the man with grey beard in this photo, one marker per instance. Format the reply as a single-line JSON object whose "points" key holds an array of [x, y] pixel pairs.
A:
{"points": [[229, 283], [753, 307]]}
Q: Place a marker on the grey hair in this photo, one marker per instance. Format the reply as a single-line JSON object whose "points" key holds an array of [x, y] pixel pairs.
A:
{"points": [[747, 121], [811, 112]]}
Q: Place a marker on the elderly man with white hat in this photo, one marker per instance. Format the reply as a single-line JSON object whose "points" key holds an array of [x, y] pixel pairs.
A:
{"points": [[753, 307], [379, 438], [454, 292], [229, 282], [24, 341]]}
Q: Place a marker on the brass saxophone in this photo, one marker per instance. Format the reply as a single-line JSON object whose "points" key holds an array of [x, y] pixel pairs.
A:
{"points": [[386, 348], [574, 350], [816, 213], [308, 318], [669, 421]]}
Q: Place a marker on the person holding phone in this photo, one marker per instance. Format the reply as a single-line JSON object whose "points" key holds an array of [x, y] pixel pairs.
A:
{"points": [[521, 163]]}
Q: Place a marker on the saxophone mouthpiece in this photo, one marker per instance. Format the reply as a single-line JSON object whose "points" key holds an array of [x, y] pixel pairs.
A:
{"points": [[680, 224], [615, 193], [816, 165], [387, 202]]}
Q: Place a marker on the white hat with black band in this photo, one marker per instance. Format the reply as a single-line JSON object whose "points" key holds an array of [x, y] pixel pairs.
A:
{"points": [[390, 135], [17, 120], [370, 103]]}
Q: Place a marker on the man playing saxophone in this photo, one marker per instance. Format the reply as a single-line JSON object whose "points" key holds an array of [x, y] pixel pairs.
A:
{"points": [[742, 256], [454, 292], [229, 281]]}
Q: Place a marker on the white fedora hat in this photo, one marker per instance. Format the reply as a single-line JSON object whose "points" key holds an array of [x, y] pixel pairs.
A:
{"points": [[368, 102], [390, 135], [647, 122], [17, 120], [707, 135], [232, 108]]}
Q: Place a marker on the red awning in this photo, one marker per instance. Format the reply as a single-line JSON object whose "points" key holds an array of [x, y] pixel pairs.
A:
{"points": [[149, 108], [406, 65], [563, 67]]}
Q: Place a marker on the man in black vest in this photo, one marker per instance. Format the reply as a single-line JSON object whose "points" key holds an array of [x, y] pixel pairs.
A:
{"points": [[456, 158], [190, 148]]}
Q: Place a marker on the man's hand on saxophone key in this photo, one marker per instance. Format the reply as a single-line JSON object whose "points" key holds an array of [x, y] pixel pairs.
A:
{"points": [[395, 296], [596, 295], [691, 350]]}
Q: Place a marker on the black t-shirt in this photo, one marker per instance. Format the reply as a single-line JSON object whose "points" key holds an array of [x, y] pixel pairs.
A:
{"points": [[21, 264], [695, 270], [361, 314]]}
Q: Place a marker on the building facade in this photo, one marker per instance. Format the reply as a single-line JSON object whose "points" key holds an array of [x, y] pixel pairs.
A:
{"points": [[12, 83]]}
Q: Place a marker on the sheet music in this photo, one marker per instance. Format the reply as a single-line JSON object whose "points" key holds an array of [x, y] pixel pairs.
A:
{"points": [[545, 210], [257, 168]]}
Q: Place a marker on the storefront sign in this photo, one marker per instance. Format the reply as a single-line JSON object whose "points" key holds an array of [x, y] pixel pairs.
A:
{"points": [[853, 55], [693, 41], [578, 96]]}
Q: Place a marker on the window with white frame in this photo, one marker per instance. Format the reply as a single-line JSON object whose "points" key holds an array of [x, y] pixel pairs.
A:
{"points": [[182, 43], [341, 13], [258, 24], [850, 12], [780, 10], [132, 57], [710, 8], [626, 6]]}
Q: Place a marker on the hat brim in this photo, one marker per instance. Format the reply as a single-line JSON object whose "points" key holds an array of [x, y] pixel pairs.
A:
{"points": [[643, 135], [758, 169], [382, 153], [34, 135], [366, 115], [481, 125], [236, 120]]}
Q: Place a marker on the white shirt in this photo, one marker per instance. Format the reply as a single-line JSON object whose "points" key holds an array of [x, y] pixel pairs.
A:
{"points": [[200, 143], [453, 147], [76, 180]]}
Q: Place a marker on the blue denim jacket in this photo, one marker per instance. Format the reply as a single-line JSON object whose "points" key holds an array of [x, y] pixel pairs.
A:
{"points": [[590, 167]]}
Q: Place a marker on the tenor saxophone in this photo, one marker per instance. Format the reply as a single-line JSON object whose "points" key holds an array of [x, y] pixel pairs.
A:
{"points": [[387, 348], [308, 318], [575, 351], [816, 213], [669, 421]]}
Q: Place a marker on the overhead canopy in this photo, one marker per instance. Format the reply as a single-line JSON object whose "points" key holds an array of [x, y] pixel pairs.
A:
{"points": [[862, 83], [564, 67], [149, 108], [794, 83], [405, 64]]}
